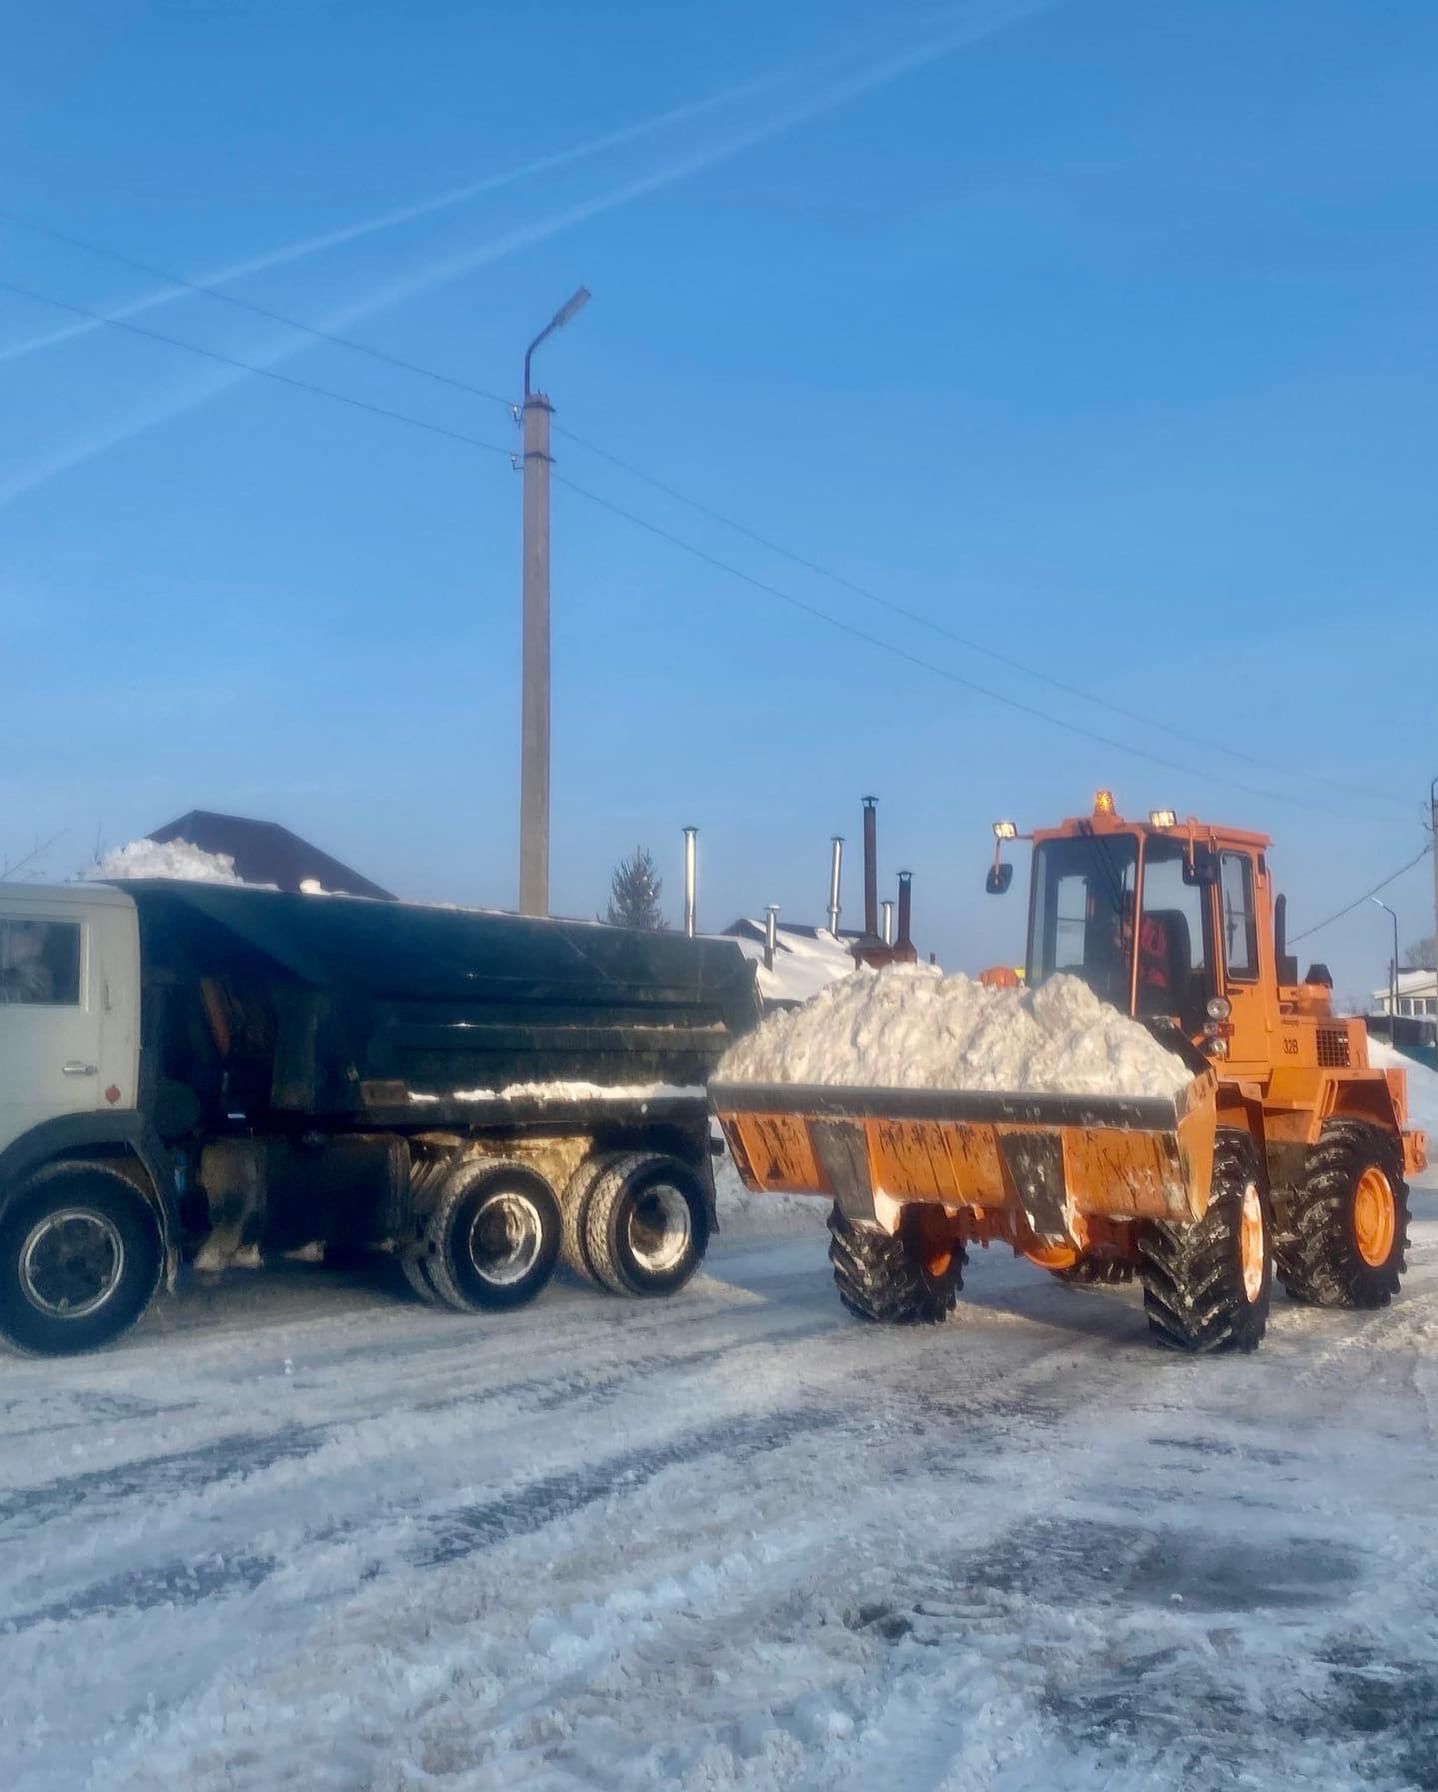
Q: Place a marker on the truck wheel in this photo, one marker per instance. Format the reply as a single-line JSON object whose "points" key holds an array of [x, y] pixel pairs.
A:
{"points": [[883, 1279], [414, 1266], [1207, 1285], [573, 1250], [1348, 1223], [646, 1225], [80, 1259], [493, 1237]]}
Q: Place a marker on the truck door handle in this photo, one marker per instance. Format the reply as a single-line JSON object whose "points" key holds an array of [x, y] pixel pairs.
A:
{"points": [[76, 1068]]}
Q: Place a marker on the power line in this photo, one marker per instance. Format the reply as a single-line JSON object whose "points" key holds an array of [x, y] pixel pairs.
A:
{"points": [[914, 659], [940, 628], [274, 317], [771, 546], [688, 547], [1367, 895], [284, 379]]}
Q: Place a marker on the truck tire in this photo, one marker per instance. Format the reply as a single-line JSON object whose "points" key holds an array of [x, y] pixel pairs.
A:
{"points": [[881, 1279], [573, 1250], [1347, 1225], [414, 1266], [1207, 1285], [493, 1236], [646, 1225], [81, 1256]]}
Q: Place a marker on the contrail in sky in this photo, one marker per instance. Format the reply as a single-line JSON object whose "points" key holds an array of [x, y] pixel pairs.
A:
{"points": [[408, 214], [394, 292]]}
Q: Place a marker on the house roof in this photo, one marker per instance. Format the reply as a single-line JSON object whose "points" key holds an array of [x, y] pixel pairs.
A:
{"points": [[266, 853], [1412, 983]]}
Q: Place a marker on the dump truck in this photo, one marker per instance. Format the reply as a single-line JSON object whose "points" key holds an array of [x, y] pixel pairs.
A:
{"points": [[1286, 1153], [201, 1073]]}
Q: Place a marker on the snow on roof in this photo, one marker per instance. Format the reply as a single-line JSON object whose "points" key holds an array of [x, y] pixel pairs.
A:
{"points": [[171, 858], [807, 959], [1411, 983]]}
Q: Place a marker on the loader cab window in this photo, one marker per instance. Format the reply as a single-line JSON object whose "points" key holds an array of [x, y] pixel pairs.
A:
{"points": [[1172, 939], [1240, 930], [39, 962], [1082, 888]]}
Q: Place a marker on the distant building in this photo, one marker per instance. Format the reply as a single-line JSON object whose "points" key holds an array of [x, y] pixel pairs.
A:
{"points": [[1417, 994], [265, 853]]}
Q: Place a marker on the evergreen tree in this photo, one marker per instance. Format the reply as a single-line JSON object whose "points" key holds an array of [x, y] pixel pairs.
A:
{"points": [[634, 893]]}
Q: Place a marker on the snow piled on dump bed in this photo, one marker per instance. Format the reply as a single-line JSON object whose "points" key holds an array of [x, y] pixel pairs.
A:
{"points": [[907, 1027], [164, 858]]}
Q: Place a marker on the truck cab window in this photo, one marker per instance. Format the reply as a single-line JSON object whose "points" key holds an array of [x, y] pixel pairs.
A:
{"points": [[1081, 889], [39, 962], [1172, 949], [1240, 934]]}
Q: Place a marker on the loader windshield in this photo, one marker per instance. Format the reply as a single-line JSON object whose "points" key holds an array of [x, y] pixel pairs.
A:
{"points": [[1081, 919]]}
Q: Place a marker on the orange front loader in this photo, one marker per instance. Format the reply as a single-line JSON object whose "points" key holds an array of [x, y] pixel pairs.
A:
{"points": [[1287, 1151]]}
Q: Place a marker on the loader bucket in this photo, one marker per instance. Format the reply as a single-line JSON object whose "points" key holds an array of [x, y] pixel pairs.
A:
{"points": [[1040, 1161]]}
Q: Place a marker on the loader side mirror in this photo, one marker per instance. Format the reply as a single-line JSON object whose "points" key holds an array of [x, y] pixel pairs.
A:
{"points": [[999, 879]]}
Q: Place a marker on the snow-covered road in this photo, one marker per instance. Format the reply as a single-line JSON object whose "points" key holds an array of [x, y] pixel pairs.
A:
{"points": [[300, 1532]]}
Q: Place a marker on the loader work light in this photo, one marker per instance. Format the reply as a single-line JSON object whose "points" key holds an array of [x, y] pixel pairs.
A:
{"points": [[1005, 830], [1103, 803], [1162, 818]]}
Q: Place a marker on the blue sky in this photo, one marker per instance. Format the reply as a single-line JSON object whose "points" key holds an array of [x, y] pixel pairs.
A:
{"points": [[1100, 333]]}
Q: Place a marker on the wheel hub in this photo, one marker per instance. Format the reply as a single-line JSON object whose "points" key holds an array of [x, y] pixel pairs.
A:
{"points": [[660, 1228], [1252, 1243], [72, 1263], [1375, 1217], [506, 1237]]}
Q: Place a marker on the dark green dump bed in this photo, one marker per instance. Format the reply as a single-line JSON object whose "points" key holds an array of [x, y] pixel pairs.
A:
{"points": [[334, 1005]]}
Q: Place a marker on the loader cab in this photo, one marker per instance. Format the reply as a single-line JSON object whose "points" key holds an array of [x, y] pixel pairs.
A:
{"points": [[1167, 921]]}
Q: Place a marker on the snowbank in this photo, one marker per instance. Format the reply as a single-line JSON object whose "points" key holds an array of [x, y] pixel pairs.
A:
{"points": [[170, 858], [908, 1027]]}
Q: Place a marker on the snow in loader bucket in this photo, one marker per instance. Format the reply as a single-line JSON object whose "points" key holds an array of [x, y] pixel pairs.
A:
{"points": [[1049, 1158]]}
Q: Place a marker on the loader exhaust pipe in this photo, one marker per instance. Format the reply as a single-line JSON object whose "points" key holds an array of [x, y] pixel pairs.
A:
{"points": [[871, 867], [906, 906], [691, 882], [836, 872]]}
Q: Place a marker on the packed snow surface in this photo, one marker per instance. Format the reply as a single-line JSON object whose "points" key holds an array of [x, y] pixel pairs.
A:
{"points": [[169, 858], [301, 1533], [906, 1027], [578, 1091]]}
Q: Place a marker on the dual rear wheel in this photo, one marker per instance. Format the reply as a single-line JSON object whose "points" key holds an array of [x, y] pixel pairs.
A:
{"points": [[635, 1223]]}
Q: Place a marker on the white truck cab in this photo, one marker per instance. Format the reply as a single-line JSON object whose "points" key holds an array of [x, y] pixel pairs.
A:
{"points": [[86, 1204], [69, 1004]]}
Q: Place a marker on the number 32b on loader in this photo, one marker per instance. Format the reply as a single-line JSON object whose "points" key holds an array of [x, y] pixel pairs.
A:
{"points": [[1287, 1153]]}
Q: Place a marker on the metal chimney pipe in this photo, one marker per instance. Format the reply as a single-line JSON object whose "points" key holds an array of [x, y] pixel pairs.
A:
{"points": [[871, 867], [906, 902], [771, 934], [836, 872], [888, 931], [691, 881]]}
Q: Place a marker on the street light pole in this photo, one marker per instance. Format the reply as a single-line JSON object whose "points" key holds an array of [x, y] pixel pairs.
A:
{"points": [[1393, 973], [534, 704]]}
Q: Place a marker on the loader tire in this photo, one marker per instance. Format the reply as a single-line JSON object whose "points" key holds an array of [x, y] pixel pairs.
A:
{"points": [[881, 1279], [81, 1258], [1095, 1272], [1347, 1225], [1207, 1284], [646, 1225], [493, 1236]]}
